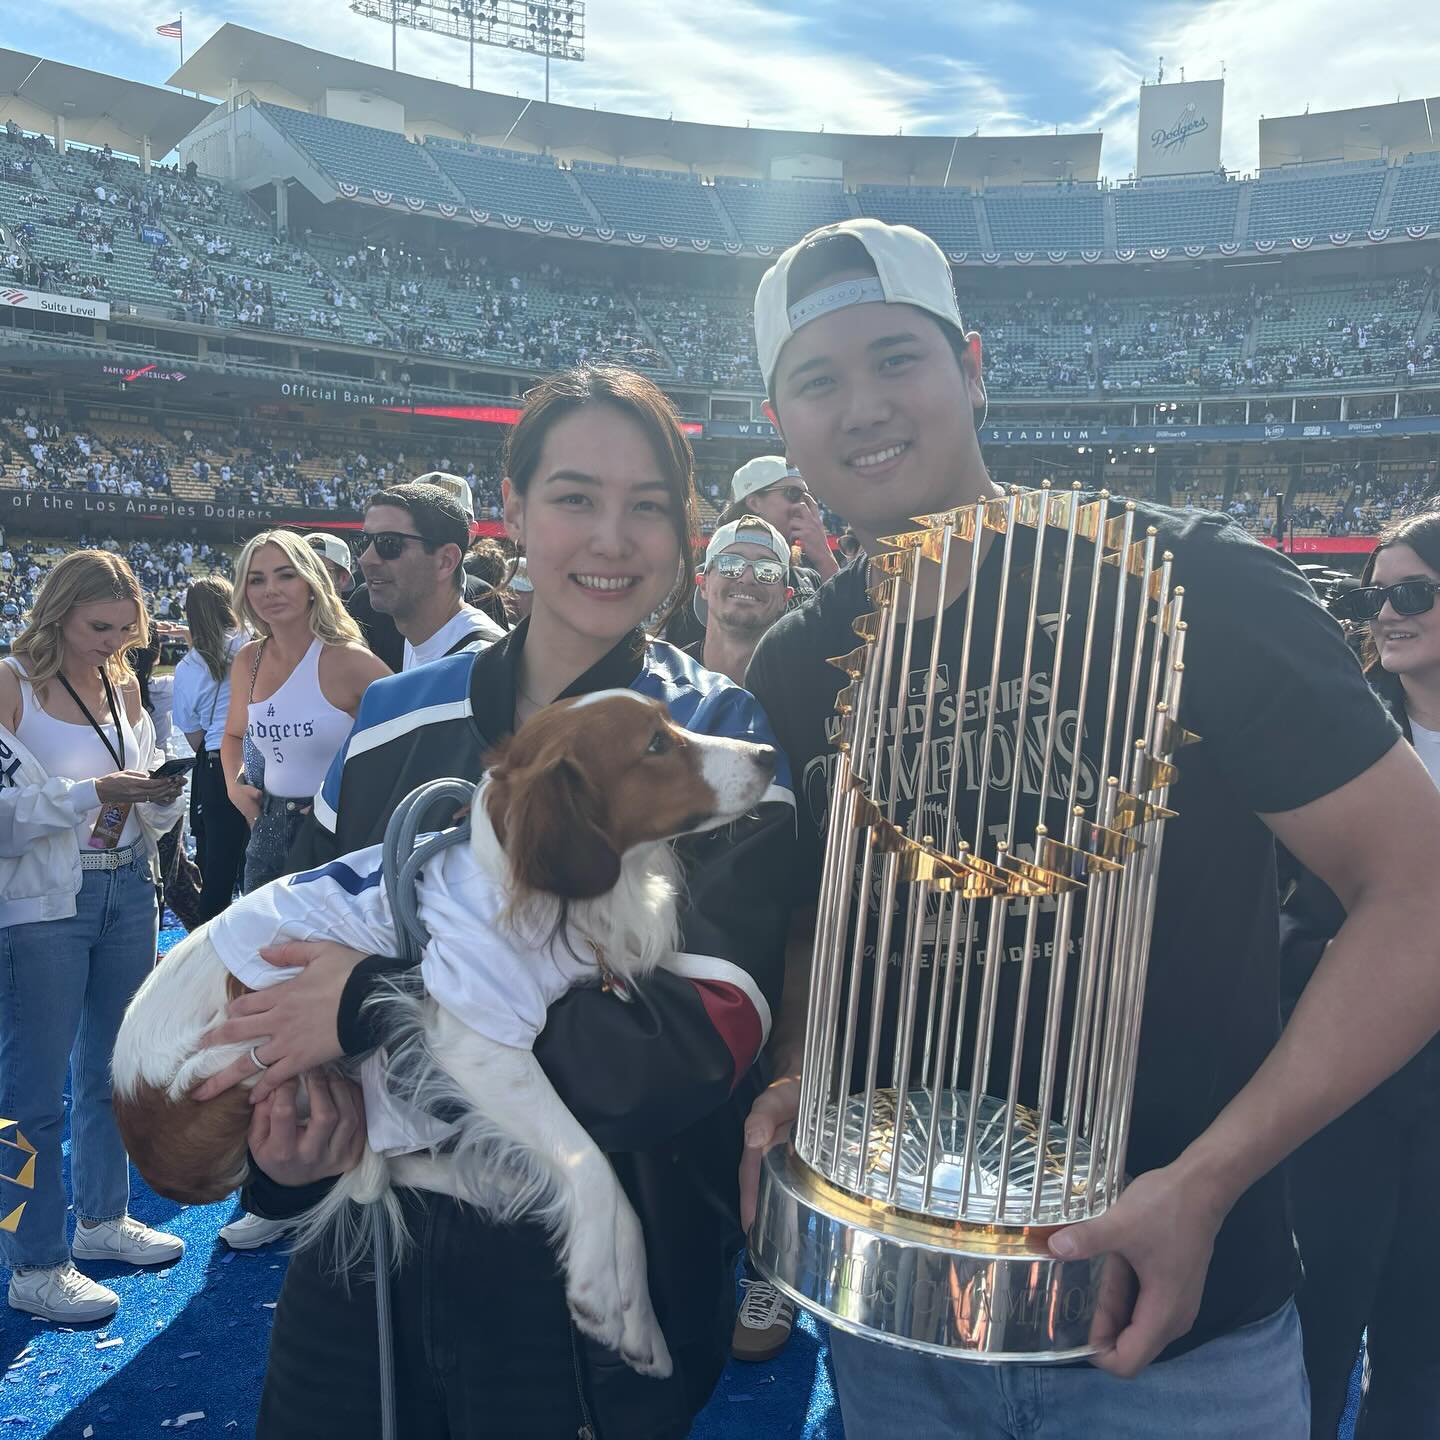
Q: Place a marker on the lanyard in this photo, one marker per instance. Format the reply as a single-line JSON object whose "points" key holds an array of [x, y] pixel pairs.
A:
{"points": [[119, 758]]}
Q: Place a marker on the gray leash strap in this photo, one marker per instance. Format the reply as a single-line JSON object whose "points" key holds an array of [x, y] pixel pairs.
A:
{"points": [[402, 861]]}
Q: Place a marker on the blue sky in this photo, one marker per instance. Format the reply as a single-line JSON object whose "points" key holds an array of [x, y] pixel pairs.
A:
{"points": [[999, 66]]}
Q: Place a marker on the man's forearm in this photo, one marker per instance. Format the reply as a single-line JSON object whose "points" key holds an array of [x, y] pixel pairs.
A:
{"points": [[1373, 1001]]}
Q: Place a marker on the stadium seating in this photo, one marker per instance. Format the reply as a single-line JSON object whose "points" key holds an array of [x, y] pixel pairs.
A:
{"points": [[1050, 218], [363, 155], [1319, 334], [1171, 213], [1341, 200], [507, 183], [773, 213], [948, 216], [650, 203], [1416, 200]]}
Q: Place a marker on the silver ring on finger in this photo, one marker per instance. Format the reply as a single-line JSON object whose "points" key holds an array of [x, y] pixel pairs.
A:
{"points": [[260, 1065]]}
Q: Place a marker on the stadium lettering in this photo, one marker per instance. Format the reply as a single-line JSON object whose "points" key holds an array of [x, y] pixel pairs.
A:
{"points": [[334, 394]]}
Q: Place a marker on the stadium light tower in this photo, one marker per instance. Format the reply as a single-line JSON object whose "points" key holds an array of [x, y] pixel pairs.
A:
{"points": [[552, 28]]}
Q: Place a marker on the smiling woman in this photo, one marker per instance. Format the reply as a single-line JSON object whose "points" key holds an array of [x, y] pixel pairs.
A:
{"points": [[599, 495]]}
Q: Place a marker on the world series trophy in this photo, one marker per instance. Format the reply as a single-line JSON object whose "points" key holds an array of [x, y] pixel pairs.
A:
{"points": [[958, 1106]]}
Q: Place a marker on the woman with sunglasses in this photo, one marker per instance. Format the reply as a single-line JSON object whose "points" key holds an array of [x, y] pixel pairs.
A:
{"points": [[1370, 1268], [300, 687], [599, 492]]}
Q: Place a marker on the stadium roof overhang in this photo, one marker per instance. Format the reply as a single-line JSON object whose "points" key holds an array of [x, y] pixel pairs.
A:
{"points": [[236, 59], [98, 109], [1368, 132]]}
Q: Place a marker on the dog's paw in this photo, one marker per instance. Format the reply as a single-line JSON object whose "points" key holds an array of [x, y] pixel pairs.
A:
{"points": [[643, 1346], [593, 1317]]}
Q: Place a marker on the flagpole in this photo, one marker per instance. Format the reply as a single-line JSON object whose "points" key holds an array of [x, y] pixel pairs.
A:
{"points": [[181, 37]]}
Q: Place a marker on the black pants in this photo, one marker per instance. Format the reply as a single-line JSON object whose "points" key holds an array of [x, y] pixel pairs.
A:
{"points": [[484, 1348], [221, 835], [1363, 1192]]}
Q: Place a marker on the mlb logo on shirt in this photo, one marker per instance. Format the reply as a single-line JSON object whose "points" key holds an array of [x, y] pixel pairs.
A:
{"points": [[918, 679]]}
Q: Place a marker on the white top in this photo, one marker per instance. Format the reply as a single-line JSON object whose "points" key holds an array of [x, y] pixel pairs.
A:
{"points": [[297, 730], [467, 621], [1427, 747], [201, 701], [74, 752], [496, 981]]}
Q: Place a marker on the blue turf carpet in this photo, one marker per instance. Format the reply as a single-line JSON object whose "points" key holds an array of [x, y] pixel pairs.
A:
{"points": [[193, 1339]]}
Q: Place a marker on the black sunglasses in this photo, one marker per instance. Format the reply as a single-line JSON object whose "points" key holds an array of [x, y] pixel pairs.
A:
{"points": [[767, 572], [1406, 597], [793, 494], [389, 544]]}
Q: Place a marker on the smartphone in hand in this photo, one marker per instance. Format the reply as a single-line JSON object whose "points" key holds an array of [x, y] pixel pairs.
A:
{"points": [[173, 767]]}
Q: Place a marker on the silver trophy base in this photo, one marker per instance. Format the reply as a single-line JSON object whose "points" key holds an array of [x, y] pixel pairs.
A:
{"points": [[977, 1292]]}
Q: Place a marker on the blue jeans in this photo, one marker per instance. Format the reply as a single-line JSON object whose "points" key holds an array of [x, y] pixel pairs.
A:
{"points": [[64, 986], [1249, 1383]]}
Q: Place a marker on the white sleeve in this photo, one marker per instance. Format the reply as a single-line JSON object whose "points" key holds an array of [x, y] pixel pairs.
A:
{"points": [[29, 813], [185, 701]]}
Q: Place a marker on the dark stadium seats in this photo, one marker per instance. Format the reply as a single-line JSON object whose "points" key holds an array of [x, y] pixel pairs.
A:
{"points": [[508, 183], [1342, 199], [650, 202], [1047, 218], [363, 155], [1169, 212], [946, 215], [776, 213]]}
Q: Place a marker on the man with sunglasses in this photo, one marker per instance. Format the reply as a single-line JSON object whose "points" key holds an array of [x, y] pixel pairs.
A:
{"points": [[741, 592], [414, 542], [770, 487]]}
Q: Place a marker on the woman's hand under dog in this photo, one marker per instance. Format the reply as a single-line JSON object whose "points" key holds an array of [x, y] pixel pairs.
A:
{"points": [[292, 1025], [330, 1142]]}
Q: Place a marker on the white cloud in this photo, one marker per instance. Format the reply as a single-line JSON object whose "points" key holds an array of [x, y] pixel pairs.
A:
{"points": [[1282, 55]]}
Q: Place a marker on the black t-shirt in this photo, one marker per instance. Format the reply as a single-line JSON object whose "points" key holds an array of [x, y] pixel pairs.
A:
{"points": [[1285, 717]]}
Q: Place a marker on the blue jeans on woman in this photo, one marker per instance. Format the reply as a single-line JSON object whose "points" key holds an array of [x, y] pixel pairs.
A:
{"points": [[64, 986], [1247, 1385]]}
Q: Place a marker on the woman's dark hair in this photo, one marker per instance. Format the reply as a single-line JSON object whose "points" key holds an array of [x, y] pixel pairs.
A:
{"points": [[1421, 532], [638, 399]]}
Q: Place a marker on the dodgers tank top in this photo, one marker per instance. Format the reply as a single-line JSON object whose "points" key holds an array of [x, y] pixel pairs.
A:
{"points": [[297, 730]]}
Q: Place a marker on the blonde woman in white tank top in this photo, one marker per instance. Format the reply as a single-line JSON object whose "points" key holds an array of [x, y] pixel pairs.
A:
{"points": [[295, 693], [80, 817]]}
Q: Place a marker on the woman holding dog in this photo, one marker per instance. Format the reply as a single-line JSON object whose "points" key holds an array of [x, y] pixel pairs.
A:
{"points": [[81, 817], [599, 494]]}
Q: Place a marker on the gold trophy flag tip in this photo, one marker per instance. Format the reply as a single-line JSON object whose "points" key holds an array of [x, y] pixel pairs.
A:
{"points": [[12, 1221], [26, 1178]]}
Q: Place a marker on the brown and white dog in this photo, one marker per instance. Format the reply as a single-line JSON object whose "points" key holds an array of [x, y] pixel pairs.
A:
{"points": [[568, 856]]}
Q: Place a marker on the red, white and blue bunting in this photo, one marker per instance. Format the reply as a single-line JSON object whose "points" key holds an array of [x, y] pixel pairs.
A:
{"points": [[1123, 254]]}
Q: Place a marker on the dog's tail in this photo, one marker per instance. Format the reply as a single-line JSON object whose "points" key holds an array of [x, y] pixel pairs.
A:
{"points": [[343, 1226]]}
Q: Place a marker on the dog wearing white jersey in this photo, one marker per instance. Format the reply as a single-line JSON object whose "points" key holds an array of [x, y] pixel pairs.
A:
{"points": [[568, 879]]}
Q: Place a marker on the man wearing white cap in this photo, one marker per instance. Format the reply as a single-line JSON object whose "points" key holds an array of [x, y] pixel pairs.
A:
{"points": [[878, 392], [336, 558], [770, 487], [740, 593]]}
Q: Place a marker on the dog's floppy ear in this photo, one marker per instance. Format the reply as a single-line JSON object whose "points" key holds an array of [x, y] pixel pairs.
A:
{"points": [[554, 833]]}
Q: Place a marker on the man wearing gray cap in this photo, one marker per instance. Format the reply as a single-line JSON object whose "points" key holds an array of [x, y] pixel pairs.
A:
{"points": [[878, 391]]}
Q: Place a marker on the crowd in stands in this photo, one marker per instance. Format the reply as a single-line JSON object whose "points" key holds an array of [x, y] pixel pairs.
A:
{"points": [[37, 453], [164, 568]]}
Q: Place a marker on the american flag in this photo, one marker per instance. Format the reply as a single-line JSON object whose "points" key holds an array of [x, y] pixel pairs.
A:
{"points": [[173, 30]]}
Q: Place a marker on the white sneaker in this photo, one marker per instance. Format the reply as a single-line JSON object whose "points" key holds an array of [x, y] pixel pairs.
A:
{"points": [[125, 1240], [61, 1293], [250, 1232]]}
